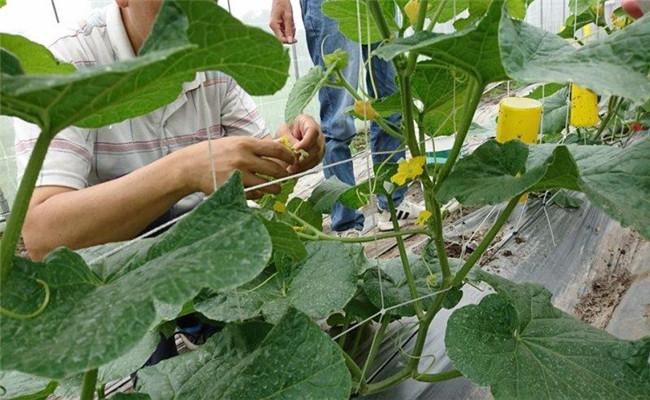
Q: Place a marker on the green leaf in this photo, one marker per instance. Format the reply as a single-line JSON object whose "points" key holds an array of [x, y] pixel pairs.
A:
{"points": [[394, 287], [305, 211], [286, 189], [285, 240], [521, 346], [358, 196], [320, 286], [543, 91], [475, 50], [304, 90], [130, 396], [443, 93], [3, 3], [618, 181], [296, 360], [98, 96], [348, 18], [577, 7], [556, 109], [496, 172], [89, 322], [388, 105], [565, 200], [614, 179], [19, 386], [9, 64], [34, 58], [517, 8], [327, 193], [533, 55]]}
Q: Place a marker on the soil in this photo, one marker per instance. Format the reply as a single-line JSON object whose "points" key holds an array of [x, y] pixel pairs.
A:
{"points": [[598, 304]]}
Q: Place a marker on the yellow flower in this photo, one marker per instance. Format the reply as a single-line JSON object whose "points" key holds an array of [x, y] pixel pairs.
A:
{"points": [[365, 110], [411, 10], [279, 207], [299, 229], [408, 169], [285, 142], [423, 217]]}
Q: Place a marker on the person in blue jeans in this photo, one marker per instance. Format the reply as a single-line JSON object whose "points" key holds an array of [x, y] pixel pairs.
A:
{"points": [[324, 37]]}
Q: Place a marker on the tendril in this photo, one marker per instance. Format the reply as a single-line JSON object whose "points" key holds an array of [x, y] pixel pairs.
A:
{"points": [[39, 310]]}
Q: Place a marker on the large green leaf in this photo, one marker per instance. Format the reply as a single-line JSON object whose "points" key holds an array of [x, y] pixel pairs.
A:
{"points": [[34, 58], [285, 240], [475, 49], [321, 285], [616, 65], [303, 92], [105, 94], [496, 172], [89, 322], [617, 180], [517, 343], [443, 93], [390, 282], [296, 360], [350, 19]]}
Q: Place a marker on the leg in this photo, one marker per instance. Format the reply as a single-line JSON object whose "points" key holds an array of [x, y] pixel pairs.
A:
{"points": [[383, 75], [323, 38]]}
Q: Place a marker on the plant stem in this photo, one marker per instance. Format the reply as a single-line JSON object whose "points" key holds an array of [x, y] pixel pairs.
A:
{"points": [[88, 385], [487, 240], [612, 109], [407, 114], [436, 14], [378, 16], [374, 348], [385, 125], [357, 339], [355, 371], [471, 104], [439, 241], [393, 380], [442, 376], [410, 279], [21, 204]]}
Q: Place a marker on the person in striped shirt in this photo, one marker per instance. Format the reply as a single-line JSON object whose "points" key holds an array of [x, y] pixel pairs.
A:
{"points": [[111, 184]]}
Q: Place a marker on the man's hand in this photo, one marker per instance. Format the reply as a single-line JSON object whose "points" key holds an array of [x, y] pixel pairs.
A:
{"points": [[304, 134], [246, 154], [281, 22]]}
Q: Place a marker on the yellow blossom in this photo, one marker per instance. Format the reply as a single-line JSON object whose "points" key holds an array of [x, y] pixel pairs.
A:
{"points": [[423, 217], [408, 169], [365, 110], [279, 207], [285, 142], [298, 228], [411, 10]]}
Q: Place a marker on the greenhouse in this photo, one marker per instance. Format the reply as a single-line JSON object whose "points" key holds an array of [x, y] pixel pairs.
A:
{"points": [[324, 199]]}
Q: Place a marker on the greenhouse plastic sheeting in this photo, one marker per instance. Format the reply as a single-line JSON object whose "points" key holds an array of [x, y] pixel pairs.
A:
{"points": [[584, 245]]}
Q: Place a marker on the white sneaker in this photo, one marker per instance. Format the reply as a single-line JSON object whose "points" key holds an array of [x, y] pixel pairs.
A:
{"points": [[406, 213]]}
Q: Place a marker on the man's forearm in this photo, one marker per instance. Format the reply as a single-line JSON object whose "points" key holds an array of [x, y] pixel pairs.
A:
{"points": [[112, 211]]}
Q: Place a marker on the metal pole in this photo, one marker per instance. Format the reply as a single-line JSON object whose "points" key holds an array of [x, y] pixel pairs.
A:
{"points": [[56, 14]]}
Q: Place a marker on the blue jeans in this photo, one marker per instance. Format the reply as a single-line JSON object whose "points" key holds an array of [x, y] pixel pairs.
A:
{"points": [[323, 37]]}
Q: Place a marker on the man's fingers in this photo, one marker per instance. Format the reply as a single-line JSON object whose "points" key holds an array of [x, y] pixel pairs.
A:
{"points": [[307, 131], [267, 167], [289, 27], [273, 149], [276, 27], [251, 180]]}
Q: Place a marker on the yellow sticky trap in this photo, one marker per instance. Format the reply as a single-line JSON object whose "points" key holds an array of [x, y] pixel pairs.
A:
{"points": [[519, 118], [584, 107]]}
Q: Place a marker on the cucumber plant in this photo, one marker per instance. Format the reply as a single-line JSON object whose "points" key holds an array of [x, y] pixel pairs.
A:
{"points": [[80, 319]]}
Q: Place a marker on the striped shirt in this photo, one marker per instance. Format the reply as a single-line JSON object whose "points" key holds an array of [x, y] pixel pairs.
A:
{"points": [[212, 105]]}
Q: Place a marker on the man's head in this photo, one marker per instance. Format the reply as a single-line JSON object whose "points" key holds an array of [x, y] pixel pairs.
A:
{"points": [[138, 17]]}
